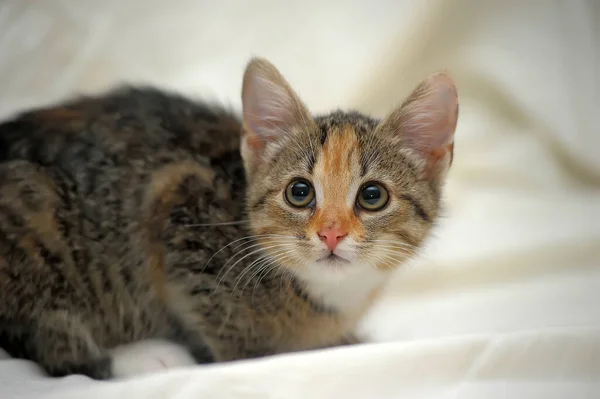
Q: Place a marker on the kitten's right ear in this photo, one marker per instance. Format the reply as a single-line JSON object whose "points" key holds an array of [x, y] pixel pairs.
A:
{"points": [[271, 110], [425, 123]]}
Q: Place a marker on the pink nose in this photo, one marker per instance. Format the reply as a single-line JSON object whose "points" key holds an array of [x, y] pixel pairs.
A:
{"points": [[332, 237]]}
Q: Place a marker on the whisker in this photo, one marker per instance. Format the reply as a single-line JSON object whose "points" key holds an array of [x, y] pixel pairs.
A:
{"points": [[288, 275], [269, 265], [258, 263], [238, 240], [415, 251], [236, 222], [393, 242], [394, 246], [394, 255], [269, 257], [395, 251], [265, 266], [387, 261], [247, 255], [247, 247], [260, 278]]}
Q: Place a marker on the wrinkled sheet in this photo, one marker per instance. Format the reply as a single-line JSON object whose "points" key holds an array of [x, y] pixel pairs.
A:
{"points": [[504, 300]]}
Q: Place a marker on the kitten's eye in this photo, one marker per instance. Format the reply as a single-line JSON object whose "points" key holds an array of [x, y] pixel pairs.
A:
{"points": [[299, 193], [372, 197]]}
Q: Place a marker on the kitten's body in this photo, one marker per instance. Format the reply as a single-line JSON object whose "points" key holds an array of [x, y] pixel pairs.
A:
{"points": [[122, 219]]}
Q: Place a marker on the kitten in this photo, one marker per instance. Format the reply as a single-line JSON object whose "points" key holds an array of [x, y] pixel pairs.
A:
{"points": [[138, 225]]}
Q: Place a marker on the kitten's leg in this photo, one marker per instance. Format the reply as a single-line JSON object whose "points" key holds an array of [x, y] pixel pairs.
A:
{"points": [[202, 354], [66, 348], [192, 340], [62, 347], [39, 283], [42, 287]]}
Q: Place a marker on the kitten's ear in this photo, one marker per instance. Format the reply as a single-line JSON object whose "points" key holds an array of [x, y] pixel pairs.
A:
{"points": [[426, 121], [271, 109]]}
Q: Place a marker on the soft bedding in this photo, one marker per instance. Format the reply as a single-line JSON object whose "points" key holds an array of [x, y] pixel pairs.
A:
{"points": [[503, 302]]}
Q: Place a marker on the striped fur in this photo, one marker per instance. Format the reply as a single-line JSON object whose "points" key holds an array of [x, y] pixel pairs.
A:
{"points": [[140, 215]]}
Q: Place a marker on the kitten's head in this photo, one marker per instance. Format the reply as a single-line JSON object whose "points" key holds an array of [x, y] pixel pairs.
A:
{"points": [[341, 193]]}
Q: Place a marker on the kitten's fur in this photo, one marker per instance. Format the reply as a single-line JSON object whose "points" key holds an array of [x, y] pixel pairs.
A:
{"points": [[115, 219]]}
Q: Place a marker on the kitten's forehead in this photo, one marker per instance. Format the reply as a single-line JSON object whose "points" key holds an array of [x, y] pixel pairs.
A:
{"points": [[302, 150], [338, 165], [344, 136], [363, 128], [333, 122]]}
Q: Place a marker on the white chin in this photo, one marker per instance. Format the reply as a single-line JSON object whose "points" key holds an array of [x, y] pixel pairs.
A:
{"points": [[334, 261], [333, 267], [341, 284]]}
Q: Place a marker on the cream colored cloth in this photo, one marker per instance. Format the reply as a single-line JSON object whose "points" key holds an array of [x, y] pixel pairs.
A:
{"points": [[504, 300]]}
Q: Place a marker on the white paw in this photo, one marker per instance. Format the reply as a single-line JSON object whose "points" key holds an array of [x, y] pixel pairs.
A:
{"points": [[148, 356]]}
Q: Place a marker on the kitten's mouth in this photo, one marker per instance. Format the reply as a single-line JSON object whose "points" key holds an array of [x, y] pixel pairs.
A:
{"points": [[333, 258]]}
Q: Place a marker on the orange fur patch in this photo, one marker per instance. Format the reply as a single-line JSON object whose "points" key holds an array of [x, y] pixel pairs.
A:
{"points": [[161, 197], [334, 170]]}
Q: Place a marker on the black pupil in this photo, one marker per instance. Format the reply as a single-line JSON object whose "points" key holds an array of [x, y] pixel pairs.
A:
{"points": [[300, 191], [371, 194]]}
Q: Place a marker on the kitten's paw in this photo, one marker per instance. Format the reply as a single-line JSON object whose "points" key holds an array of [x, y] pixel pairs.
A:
{"points": [[148, 356]]}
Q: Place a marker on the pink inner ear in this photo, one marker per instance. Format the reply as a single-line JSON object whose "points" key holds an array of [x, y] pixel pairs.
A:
{"points": [[268, 109], [428, 119]]}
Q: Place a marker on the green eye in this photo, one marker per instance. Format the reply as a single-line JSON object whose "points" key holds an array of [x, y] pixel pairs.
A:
{"points": [[300, 193], [372, 197]]}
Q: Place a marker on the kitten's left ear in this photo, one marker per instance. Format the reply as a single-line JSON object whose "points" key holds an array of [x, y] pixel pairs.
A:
{"points": [[271, 110], [425, 123]]}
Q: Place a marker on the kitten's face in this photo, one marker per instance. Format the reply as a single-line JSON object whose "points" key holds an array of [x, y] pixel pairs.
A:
{"points": [[341, 197], [342, 193]]}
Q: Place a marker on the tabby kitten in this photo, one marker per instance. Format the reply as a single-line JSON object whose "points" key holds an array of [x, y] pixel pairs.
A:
{"points": [[137, 231]]}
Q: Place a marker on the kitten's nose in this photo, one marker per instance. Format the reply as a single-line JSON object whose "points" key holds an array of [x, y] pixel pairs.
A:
{"points": [[332, 237]]}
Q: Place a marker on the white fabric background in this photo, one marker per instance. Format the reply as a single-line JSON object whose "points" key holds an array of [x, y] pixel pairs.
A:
{"points": [[504, 301]]}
